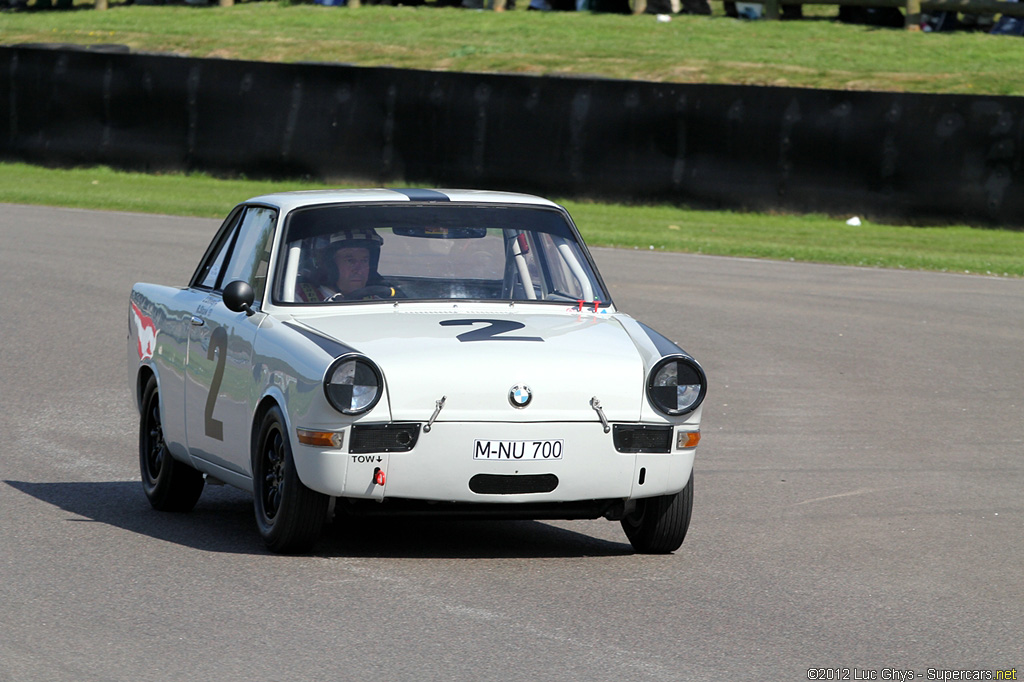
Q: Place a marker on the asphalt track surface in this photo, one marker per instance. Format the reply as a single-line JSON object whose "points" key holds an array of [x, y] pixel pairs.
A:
{"points": [[858, 497]]}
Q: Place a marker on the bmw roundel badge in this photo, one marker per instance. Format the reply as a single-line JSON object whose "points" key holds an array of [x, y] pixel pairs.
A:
{"points": [[520, 395]]}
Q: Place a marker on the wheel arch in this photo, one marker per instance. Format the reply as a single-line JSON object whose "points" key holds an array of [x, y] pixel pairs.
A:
{"points": [[142, 378], [266, 403]]}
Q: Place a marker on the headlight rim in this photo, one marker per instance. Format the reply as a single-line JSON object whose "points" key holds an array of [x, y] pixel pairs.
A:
{"points": [[677, 357], [342, 359]]}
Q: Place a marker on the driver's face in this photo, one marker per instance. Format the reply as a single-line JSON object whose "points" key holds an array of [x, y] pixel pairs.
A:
{"points": [[353, 268]]}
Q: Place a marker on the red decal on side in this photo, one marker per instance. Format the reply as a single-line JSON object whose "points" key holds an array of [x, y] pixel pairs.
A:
{"points": [[146, 332]]}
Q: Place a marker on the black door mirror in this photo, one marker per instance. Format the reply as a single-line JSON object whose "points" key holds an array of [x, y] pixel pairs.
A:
{"points": [[238, 297]]}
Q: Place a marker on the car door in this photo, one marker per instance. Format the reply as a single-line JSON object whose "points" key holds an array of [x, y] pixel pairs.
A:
{"points": [[219, 386]]}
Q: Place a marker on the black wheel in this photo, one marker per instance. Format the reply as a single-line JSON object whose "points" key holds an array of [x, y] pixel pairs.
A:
{"points": [[169, 484], [289, 515], [658, 524]]}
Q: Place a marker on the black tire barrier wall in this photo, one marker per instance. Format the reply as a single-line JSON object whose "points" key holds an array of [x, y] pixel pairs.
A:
{"points": [[887, 156]]}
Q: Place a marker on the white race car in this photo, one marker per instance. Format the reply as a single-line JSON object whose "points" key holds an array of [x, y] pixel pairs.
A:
{"points": [[380, 351]]}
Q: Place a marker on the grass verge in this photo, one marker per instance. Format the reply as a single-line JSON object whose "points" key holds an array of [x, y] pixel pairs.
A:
{"points": [[815, 52], [812, 238]]}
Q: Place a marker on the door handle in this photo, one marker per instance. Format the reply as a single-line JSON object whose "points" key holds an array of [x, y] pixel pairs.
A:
{"points": [[197, 321]]}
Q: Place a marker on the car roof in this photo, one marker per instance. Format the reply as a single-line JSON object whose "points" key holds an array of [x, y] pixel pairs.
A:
{"points": [[291, 200]]}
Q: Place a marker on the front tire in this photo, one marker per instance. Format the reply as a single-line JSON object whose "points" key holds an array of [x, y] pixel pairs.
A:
{"points": [[170, 485], [289, 515], [658, 525]]}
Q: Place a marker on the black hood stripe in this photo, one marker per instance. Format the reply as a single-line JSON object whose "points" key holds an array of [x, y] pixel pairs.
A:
{"points": [[664, 346], [327, 344]]}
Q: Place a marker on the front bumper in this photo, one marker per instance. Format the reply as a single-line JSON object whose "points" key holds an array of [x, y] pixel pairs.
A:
{"points": [[441, 467]]}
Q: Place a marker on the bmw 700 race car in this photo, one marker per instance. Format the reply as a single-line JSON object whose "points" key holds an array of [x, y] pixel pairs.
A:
{"points": [[348, 353]]}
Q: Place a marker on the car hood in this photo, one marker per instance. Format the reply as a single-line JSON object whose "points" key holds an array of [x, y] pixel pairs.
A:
{"points": [[474, 358]]}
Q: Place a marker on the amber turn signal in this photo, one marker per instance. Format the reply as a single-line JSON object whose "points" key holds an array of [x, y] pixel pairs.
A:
{"points": [[321, 439], [687, 439]]}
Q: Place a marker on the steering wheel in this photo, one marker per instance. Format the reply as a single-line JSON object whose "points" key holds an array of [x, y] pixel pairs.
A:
{"points": [[379, 291]]}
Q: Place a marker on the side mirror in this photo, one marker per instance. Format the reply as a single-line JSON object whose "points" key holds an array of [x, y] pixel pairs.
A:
{"points": [[238, 297]]}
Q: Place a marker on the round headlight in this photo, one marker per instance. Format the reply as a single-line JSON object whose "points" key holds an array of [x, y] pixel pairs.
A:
{"points": [[676, 385], [352, 384]]}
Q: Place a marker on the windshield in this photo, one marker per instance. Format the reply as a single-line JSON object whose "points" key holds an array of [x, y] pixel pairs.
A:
{"points": [[343, 253]]}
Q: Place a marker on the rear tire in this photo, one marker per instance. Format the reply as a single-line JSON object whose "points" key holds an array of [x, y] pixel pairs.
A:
{"points": [[658, 525], [170, 485], [289, 515]]}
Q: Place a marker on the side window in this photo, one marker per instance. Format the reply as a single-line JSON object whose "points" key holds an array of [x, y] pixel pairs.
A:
{"points": [[250, 258], [208, 274], [521, 252], [562, 279]]}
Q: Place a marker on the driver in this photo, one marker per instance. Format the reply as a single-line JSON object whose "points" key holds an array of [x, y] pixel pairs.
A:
{"points": [[347, 266]]}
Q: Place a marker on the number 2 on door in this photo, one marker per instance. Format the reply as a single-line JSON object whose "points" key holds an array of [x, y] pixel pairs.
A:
{"points": [[218, 348]]}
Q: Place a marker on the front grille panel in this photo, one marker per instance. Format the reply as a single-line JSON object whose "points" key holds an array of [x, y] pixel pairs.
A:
{"points": [[383, 438], [512, 484], [642, 438]]}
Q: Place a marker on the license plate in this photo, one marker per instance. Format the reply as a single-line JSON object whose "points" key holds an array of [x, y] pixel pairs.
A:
{"points": [[517, 450]]}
